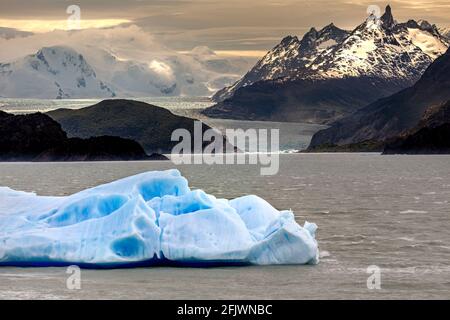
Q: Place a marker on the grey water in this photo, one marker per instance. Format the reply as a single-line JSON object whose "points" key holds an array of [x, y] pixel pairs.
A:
{"points": [[21, 106], [389, 211], [293, 136]]}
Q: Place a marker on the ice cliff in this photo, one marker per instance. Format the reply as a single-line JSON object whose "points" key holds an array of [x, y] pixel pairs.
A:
{"points": [[148, 219]]}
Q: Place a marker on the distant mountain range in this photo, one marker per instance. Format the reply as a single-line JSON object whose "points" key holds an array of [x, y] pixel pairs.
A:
{"points": [[56, 72], [331, 72], [395, 116], [61, 72]]}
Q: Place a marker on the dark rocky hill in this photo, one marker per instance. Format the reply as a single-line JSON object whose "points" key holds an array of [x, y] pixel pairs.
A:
{"points": [[37, 137], [389, 117], [23, 137], [431, 136], [149, 125]]}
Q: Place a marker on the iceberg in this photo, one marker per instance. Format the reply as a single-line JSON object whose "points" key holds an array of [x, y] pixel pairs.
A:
{"points": [[153, 218]]}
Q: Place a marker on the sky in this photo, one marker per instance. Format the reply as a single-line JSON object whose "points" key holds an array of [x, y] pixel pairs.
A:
{"points": [[241, 27]]}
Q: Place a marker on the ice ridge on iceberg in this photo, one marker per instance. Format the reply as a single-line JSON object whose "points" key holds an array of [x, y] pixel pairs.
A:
{"points": [[148, 219]]}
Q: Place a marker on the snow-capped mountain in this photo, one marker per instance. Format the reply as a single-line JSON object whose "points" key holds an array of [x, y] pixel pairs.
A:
{"points": [[133, 78], [289, 58], [129, 61], [60, 72], [330, 73], [53, 72], [383, 49], [379, 48]]}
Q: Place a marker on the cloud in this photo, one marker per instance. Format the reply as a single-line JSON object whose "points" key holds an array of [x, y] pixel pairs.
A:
{"points": [[51, 25], [135, 62], [226, 25]]}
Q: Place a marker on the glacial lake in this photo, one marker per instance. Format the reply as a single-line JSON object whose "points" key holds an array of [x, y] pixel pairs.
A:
{"points": [[388, 211], [293, 136]]}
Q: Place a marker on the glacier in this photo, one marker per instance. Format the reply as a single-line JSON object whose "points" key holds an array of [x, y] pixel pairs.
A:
{"points": [[153, 218]]}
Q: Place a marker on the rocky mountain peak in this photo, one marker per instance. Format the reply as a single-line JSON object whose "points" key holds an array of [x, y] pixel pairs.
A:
{"points": [[387, 18], [426, 26], [288, 40], [330, 29], [311, 34], [378, 48]]}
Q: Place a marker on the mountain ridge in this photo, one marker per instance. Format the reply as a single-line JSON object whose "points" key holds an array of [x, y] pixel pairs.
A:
{"points": [[49, 72], [295, 54], [382, 55]]}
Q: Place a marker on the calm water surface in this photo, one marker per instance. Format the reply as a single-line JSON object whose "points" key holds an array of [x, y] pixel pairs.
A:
{"points": [[389, 211]]}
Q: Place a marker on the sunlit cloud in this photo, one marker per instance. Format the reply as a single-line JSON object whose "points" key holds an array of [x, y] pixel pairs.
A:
{"points": [[236, 53], [232, 25], [241, 53], [40, 26]]}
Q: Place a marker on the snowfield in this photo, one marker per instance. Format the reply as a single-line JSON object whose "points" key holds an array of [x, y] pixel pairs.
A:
{"points": [[148, 219], [122, 62]]}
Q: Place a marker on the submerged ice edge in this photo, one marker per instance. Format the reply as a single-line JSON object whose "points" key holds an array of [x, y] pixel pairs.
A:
{"points": [[152, 218]]}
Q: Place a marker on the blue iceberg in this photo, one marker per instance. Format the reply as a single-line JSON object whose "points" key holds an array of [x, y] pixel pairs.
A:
{"points": [[149, 219]]}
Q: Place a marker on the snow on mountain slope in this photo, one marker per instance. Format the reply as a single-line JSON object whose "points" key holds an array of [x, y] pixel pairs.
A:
{"points": [[133, 78], [428, 43], [383, 49], [377, 48], [289, 58], [61, 72], [445, 32], [171, 75], [53, 72], [132, 62]]}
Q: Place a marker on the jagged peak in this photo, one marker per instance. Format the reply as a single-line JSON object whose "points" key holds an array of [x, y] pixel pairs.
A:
{"points": [[289, 39], [412, 24], [310, 37], [387, 18], [312, 32], [332, 30], [329, 27], [426, 26]]}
